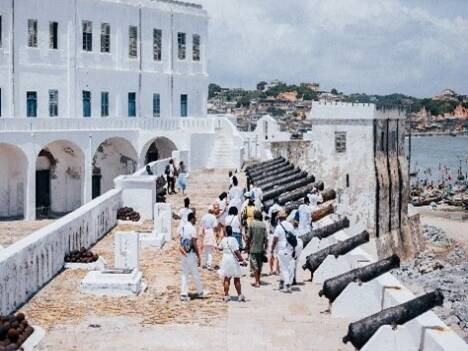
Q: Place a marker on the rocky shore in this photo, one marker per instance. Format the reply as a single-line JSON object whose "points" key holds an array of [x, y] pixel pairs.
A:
{"points": [[443, 264]]}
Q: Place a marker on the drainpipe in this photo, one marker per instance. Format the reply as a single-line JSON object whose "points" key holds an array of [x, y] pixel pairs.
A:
{"points": [[171, 46], [141, 62]]}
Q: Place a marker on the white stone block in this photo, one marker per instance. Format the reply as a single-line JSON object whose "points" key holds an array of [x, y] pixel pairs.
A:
{"points": [[113, 284], [387, 339], [34, 339], [331, 267], [358, 301], [163, 221], [99, 265], [150, 240], [126, 250]]}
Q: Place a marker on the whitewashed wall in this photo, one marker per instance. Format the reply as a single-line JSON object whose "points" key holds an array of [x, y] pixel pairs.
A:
{"points": [[30, 263]]}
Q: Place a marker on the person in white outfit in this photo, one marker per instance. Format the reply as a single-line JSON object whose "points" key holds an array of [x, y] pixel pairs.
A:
{"points": [[235, 195], [209, 224], [305, 217], [285, 252], [315, 198], [230, 267], [257, 194], [300, 244], [273, 221], [190, 258], [184, 212]]}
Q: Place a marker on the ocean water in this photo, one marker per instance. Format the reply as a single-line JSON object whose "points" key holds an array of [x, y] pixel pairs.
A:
{"points": [[437, 158]]}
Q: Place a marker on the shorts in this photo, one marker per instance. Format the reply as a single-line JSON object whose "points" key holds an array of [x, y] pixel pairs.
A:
{"points": [[256, 261]]}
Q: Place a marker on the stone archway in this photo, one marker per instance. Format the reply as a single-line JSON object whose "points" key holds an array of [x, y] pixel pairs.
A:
{"points": [[13, 175], [157, 149], [59, 178], [114, 157]]}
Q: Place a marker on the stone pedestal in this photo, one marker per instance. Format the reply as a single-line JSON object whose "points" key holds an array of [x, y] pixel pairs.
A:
{"points": [[125, 279], [162, 232]]}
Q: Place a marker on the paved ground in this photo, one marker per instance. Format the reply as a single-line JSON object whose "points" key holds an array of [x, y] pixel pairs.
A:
{"points": [[157, 320], [12, 231]]}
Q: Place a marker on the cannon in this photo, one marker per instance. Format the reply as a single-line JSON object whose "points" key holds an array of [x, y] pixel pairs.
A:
{"points": [[274, 172], [299, 193], [283, 180], [266, 168], [326, 231], [327, 195], [341, 248], [271, 171], [323, 212], [271, 194], [263, 164], [361, 331], [333, 287], [279, 176]]}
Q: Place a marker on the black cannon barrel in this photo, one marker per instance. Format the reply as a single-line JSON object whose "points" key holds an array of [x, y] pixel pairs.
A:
{"points": [[361, 331], [266, 168], [333, 287], [299, 193], [271, 194], [339, 249], [326, 231], [279, 176], [327, 195], [271, 172], [259, 165], [283, 180]]}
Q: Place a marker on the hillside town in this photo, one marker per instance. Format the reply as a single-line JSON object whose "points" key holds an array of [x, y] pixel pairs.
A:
{"points": [[290, 105]]}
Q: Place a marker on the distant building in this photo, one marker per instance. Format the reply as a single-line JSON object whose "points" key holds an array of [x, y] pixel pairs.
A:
{"points": [[447, 94], [315, 87]]}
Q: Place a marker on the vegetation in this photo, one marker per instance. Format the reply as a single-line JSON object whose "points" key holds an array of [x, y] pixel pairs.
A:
{"points": [[213, 89]]}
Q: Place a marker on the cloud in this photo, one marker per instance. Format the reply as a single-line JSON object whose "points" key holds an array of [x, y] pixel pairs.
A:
{"points": [[374, 46]]}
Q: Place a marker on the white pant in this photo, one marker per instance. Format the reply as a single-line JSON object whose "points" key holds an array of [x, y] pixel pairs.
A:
{"points": [[208, 255], [297, 251], [287, 265], [190, 268]]}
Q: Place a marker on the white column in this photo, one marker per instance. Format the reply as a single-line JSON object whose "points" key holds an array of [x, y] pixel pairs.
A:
{"points": [[30, 204], [88, 173]]}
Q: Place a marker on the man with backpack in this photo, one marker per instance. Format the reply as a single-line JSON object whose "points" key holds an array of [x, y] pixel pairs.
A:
{"points": [[190, 258], [171, 174], [286, 241]]}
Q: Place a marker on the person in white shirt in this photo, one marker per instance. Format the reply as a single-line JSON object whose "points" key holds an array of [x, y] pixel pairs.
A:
{"points": [[221, 210], [305, 217], [230, 266], [315, 198], [185, 211], [209, 224], [233, 224], [190, 258], [236, 194], [272, 254], [257, 194], [285, 252], [300, 243]]}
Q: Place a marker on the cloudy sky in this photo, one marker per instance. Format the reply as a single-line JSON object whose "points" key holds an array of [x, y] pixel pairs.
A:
{"points": [[416, 47]]}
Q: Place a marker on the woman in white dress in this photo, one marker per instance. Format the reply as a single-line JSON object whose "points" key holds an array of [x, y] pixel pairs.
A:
{"points": [[231, 266]]}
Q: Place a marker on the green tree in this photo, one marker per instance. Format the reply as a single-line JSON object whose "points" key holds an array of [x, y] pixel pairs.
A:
{"points": [[213, 89]]}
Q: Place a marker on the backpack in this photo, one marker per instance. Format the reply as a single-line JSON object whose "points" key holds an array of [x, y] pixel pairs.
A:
{"points": [[186, 244], [290, 237], [167, 170]]}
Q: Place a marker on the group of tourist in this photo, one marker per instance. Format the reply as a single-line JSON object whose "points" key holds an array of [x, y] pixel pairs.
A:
{"points": [[236, 225], [175, 177]]}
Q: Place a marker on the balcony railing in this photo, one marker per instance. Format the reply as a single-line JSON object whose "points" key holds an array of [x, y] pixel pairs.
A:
{"points": [[53, 124]]}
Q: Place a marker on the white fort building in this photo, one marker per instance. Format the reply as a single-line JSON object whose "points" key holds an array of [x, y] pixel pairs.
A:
{"points": [[92, 89]]}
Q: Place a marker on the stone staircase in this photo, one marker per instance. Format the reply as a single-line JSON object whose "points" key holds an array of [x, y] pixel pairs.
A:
{"points": [[223, 154]]}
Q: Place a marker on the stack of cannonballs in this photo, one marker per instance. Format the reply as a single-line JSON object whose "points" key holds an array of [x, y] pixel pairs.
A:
{"points": [[128, 214], [14, 330], [81, 256], [161, 191]]}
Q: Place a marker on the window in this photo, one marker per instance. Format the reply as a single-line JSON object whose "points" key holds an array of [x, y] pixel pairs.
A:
{"points": [[183, 105], [104, 104], [157, 44], [131, 104], [31, 104], [53, 35], [87, 36], [156, 105], [133, 41], [32, 33], [86, 103], [347, 181], [340, 142], [181, 41], [105, 37], [53, 103], [196, 47]]}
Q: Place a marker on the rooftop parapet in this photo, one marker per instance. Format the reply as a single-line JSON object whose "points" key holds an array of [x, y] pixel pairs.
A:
{"points": [[349, 111], [179, 6]]}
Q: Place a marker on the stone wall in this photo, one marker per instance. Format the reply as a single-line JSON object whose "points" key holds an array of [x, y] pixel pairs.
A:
{"points": [[27, 265], [297, 152]]}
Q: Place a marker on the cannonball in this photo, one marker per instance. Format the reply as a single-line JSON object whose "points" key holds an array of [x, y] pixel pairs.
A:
{"points": [[13, 335], [11, 347], [29, 330], [24, 323], [20, 317]]}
